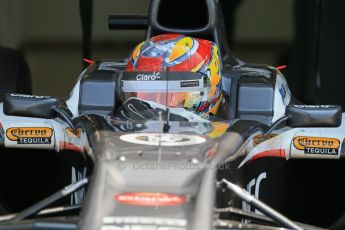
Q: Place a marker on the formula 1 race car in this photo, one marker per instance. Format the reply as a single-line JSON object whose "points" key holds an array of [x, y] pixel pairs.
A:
{"points": [[167, 139]]}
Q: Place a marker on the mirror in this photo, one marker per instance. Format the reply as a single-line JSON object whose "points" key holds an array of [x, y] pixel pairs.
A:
{"points": [[30, 106], [314, 115]]}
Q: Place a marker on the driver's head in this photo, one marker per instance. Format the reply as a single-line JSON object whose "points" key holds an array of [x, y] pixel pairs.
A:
{"points": [[180, 53]]}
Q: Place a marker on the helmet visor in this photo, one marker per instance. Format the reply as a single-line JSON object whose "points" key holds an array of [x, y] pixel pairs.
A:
{"points": [[173, 89], [170, 99]]}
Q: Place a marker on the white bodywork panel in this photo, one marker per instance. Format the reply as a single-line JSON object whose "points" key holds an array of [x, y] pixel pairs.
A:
{"points": [[282, 97], [39, 133], [310, 143]]}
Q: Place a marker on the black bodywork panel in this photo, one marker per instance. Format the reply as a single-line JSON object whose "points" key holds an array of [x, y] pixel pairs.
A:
{"points": [[30, 106], [37, 174], [255, 97], [98, 92], [314, 115]]}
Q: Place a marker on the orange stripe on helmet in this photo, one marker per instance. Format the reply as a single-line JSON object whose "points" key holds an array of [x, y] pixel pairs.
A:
{"points": [[136, 52], [181, 48]]}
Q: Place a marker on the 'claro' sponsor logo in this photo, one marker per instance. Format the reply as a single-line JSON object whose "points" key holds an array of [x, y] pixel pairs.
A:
{"points": [[148, 77], [30, 135], [150, 199], [317, 145]]}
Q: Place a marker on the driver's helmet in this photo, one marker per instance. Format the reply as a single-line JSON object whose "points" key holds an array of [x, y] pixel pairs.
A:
{"points": [[176, 53]]}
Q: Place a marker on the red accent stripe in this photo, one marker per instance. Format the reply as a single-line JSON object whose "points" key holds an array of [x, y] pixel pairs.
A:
{"points": [[211, 153], [204, 106], [69, 146], [88, 61], [281, 67], [150, 199], [281, 153]]}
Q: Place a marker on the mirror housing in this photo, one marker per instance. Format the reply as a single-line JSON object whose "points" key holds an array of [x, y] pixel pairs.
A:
{"points": [[314, 115], [30, 106]]}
